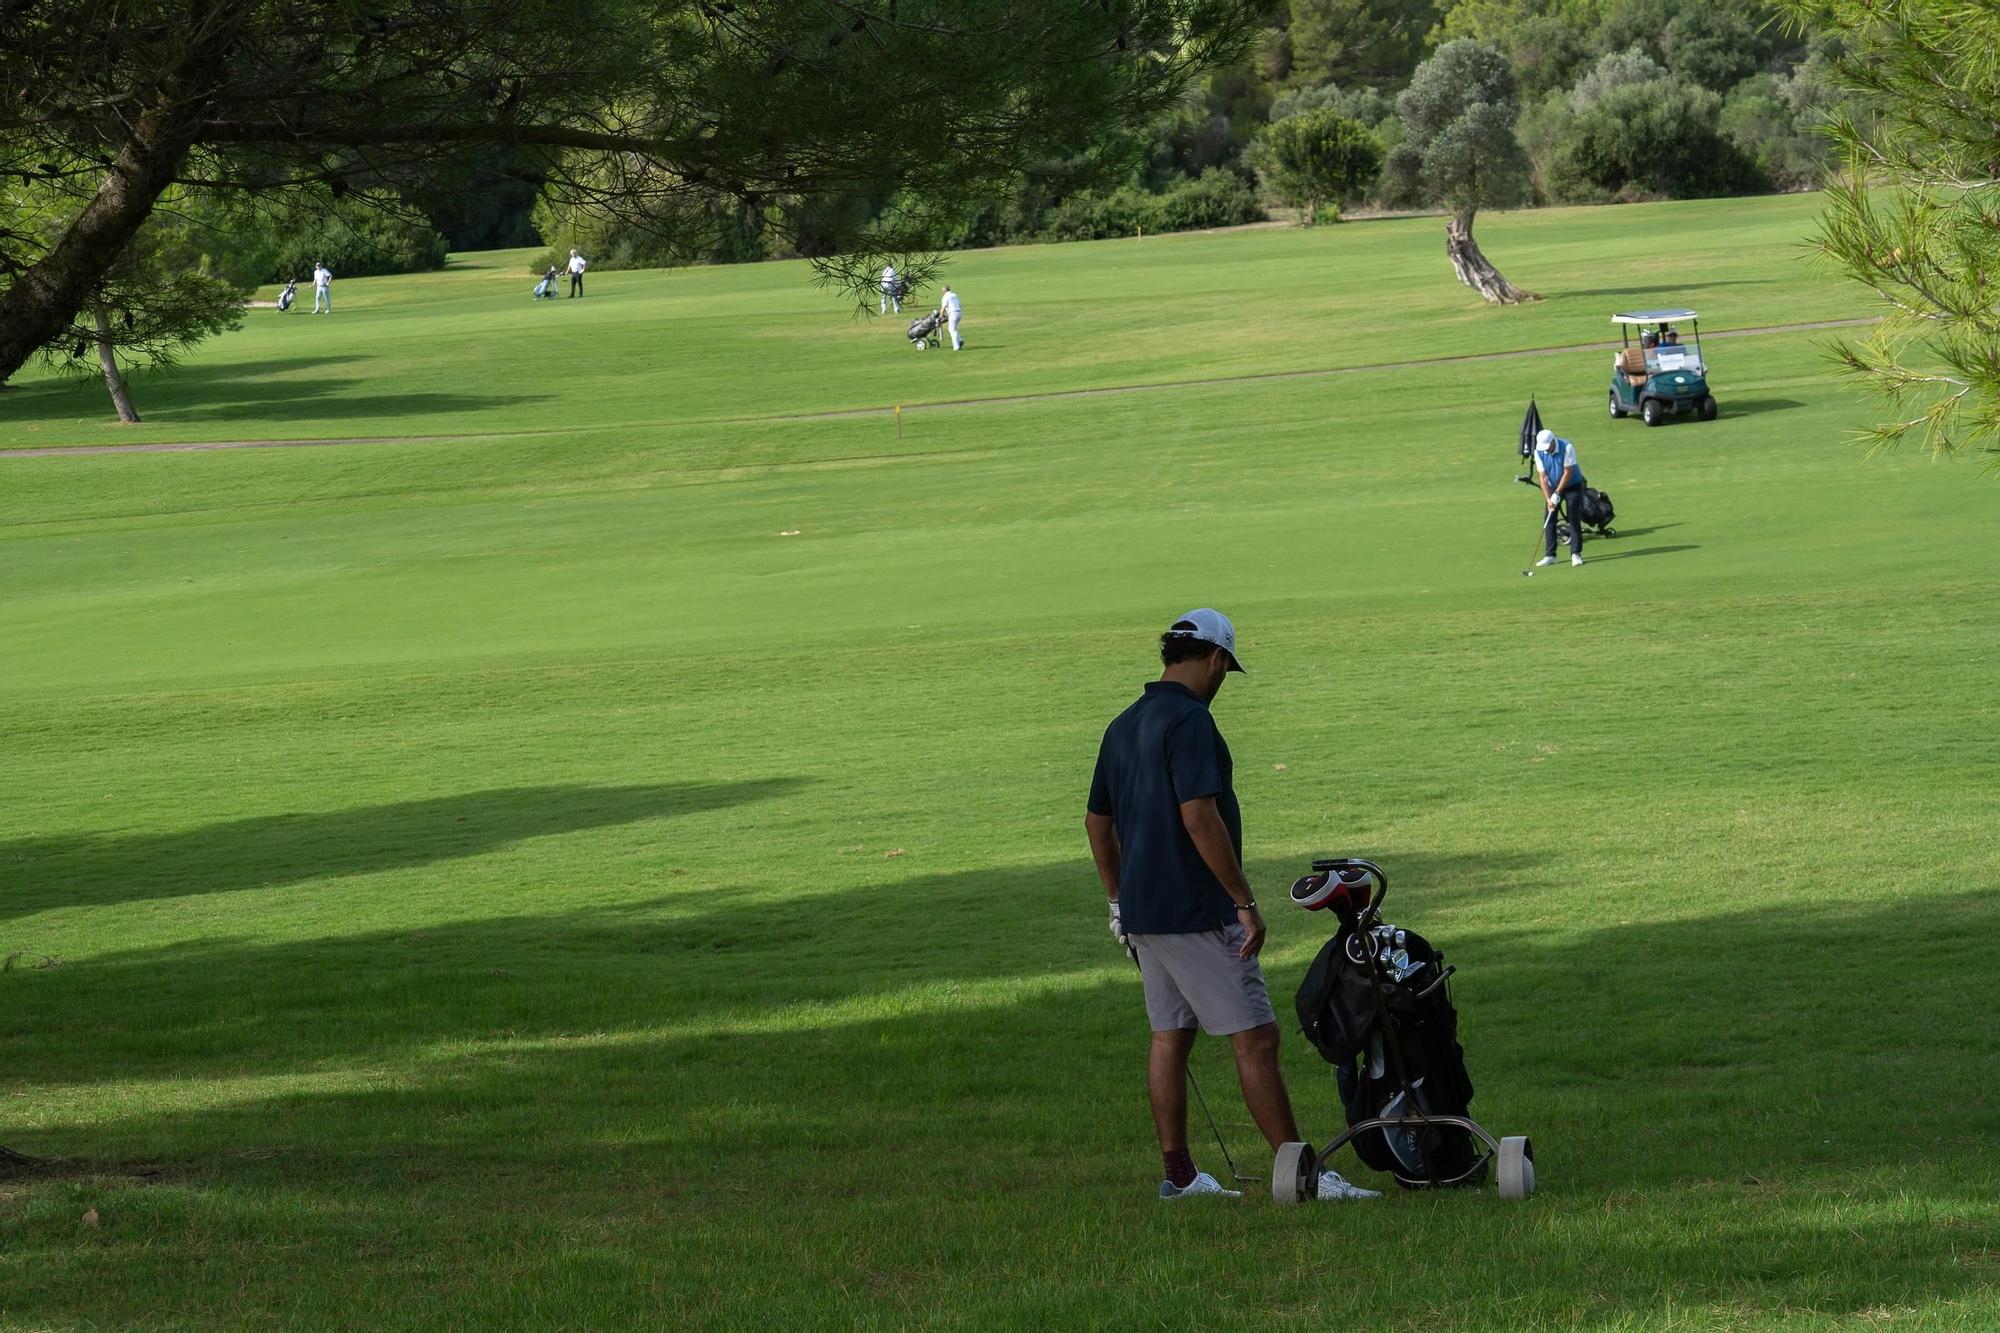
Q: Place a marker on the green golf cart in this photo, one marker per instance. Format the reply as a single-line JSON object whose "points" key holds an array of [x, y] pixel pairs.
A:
{"points": [[1654, 373]]}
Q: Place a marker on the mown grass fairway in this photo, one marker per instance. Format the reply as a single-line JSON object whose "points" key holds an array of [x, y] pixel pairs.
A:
{"points": [[621, 865]]}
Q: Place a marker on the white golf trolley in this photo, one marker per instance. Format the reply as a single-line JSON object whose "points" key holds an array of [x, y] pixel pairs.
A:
{"points": [[1384, 990]]}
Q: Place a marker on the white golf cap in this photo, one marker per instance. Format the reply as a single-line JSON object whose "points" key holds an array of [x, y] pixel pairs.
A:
{"points": [[1545, 439], [1207, 625]]}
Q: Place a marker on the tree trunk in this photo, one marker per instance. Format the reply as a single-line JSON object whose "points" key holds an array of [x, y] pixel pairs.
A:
{"points": [[108, 358], [1472, 268], [10, 1158], [46, 299]]}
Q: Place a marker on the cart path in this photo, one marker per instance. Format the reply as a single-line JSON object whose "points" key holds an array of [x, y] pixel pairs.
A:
{"points": [[837, 414]]}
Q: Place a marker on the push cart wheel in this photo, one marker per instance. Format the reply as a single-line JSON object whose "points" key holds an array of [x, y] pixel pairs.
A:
{"points": [[1517, 1168], [1292, 1174], [921, 344]]}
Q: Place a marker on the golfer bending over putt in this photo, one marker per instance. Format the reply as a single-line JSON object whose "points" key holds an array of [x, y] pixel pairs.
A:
{"points": [[1167, 837], [1562, 487]]}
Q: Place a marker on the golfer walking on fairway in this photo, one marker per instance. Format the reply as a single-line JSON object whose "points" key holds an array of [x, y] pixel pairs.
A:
{"points": [[948, 307], [1167, 837], [1562, 484], [577, 263], [322, 289]]}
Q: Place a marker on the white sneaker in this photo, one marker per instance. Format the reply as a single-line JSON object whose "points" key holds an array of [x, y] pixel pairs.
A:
{"points": [[1575, 561], [1545, 560], [1203, 1183], [1333, 1186]]}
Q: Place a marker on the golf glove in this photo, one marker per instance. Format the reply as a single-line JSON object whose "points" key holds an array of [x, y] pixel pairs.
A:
{"points": [[1118, 927]]}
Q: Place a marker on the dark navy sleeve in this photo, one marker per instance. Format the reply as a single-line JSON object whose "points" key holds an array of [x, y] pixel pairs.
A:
{"points": [[1194, 763], [1100, 789]]}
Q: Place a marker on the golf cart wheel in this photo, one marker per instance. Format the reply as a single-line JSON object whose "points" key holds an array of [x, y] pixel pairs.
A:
{"points": [[1617, 413], [1517, 1168], [1708, 407], [1292, 1173], [1651, 412]]}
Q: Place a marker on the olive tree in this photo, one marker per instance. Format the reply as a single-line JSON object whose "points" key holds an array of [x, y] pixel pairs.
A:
{"points": [[1460, 153], [657, 107]]}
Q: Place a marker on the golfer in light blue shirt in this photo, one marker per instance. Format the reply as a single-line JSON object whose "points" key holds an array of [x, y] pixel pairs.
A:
{"points": [[1562, 488]]}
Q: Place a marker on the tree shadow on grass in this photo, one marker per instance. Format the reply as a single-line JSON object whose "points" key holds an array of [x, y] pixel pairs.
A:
{"points": [[741, 1096], [1654, 292], [37, 874], [332, 400], [248, 390], [1750, 407], [62, 397]]}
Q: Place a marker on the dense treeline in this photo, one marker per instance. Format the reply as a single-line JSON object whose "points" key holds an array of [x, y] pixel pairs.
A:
{"points": [[1619, 100]]}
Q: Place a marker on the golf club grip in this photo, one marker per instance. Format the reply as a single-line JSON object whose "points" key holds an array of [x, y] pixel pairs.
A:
{"points": [[1449, 969]]}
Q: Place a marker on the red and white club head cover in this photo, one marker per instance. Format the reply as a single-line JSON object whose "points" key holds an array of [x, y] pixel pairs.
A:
{"points": [[1346, 892]]}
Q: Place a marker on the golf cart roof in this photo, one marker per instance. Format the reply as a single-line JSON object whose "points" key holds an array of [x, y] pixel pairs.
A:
{"points": [[1653, 317]]}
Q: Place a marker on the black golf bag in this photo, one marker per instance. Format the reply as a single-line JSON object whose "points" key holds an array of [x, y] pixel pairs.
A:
{"points": [[289, 295], [1379, 1069], [925, 328], [1594, 510]]}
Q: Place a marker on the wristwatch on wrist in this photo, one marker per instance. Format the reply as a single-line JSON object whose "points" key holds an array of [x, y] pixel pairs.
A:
{"points": [[1250, 906]]}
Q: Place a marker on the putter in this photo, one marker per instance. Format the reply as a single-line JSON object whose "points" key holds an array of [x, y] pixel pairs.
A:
{"points": [[1195, 1083]]}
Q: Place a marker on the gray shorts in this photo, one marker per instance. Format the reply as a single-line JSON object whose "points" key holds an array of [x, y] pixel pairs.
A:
{"points": [[1198, 978]]}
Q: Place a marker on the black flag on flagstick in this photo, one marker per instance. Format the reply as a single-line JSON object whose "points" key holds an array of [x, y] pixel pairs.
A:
{"points": [[1531, 426]]}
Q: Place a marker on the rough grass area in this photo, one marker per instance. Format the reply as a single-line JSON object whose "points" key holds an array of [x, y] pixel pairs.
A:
{"points": [[624, 868]]}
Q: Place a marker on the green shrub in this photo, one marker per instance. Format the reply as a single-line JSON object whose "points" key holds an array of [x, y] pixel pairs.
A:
{"points": [[1651, 140], [1217, 198], [1779, 120], [354, 239], [1315, 159]]}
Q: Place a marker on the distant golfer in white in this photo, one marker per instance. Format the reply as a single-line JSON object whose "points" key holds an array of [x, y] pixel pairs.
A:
{"points": [[949, 308], [322, 289], [892, 294], [576, 266]]}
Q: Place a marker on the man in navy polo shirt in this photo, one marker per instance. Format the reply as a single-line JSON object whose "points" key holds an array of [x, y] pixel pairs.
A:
{"points": [[1167, 836]]}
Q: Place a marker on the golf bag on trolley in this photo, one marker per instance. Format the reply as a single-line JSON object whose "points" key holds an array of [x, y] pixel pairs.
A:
{"points": [[1594, 510], [1375, 1005], [1344, 1016], [924, 331]]}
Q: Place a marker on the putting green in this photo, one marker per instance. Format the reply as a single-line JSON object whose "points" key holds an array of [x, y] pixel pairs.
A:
{"points": [[621, 865]]}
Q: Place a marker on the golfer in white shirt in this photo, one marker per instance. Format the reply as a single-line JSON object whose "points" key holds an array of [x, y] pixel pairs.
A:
{"points": [[322, 289], [949, 305], [576, 266], [891, 293]]}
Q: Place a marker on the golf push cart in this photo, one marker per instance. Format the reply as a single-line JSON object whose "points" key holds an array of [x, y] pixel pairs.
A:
{"points": [[1377, 1006], [1654, 373]]}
